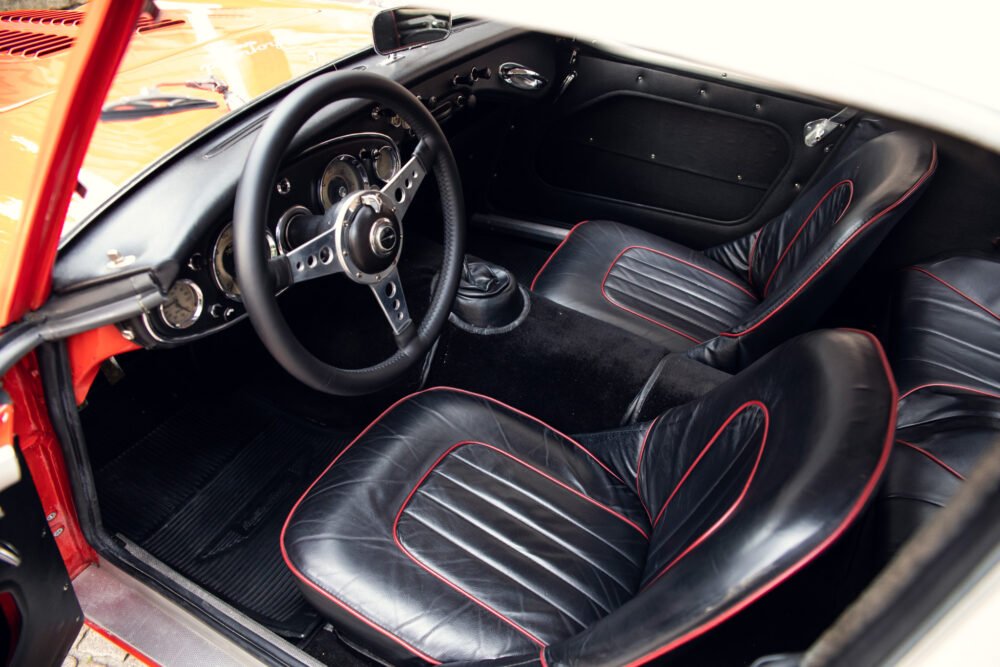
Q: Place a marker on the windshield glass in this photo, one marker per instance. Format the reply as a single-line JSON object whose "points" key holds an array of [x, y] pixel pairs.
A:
{"points": [[184, 70]]}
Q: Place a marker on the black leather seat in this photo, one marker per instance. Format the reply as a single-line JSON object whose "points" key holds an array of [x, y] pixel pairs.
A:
{"points": [[455, 528], [730, 304], [946, 357]]}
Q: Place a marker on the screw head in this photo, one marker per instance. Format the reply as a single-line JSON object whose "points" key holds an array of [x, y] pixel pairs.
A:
{"points": [[51, 516]]}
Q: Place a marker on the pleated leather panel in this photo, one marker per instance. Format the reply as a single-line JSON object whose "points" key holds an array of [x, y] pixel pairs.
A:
{"points": [[511, 536], [676, 293]]}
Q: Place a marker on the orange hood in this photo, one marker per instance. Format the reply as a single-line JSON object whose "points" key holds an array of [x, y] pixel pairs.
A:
{"points": [[250, 47]]}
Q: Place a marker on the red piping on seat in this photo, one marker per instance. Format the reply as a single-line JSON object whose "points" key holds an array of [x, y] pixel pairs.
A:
{"points": [[697, 460], [847, 242], [948, 385], [732, 508], [456, 587], [809, 217], [638, 467], [955, 290], [298, 574], [932, 458], [658, 323], [852, 514], [555, 252]]}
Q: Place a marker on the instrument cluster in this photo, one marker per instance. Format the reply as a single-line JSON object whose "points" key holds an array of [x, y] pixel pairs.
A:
{"points": [[206, 295]]}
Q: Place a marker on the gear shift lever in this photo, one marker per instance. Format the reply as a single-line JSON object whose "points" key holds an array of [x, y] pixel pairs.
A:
{"points": [[488, 295]]}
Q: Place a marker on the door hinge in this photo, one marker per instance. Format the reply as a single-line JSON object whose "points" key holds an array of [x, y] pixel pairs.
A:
{"points": [[817, 130]]}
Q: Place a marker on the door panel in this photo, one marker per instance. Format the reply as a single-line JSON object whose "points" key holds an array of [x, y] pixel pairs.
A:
{"points": [[693, 160], [39, 613]]}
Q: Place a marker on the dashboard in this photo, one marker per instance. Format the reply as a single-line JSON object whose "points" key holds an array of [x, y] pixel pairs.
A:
{"points": [[206, 295], [171, 226]]}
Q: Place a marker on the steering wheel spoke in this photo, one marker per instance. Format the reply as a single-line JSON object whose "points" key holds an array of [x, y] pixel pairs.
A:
{"points": [[402, 187], [313, 259], [389, 294]]}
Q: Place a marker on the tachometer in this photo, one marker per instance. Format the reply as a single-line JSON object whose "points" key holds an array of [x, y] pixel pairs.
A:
{"points": [[343, 175], [224, 263], [185, 302]]}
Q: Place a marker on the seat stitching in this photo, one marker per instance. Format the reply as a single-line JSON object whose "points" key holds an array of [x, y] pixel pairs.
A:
{"points": [[564, 516], [702, 287], [732, 508], [932, 458], [718, 433], [666, 300], [954, 289], [527, 522], [685, 262], [507, 575], [805, 223], [517, 548], [861, 228]]}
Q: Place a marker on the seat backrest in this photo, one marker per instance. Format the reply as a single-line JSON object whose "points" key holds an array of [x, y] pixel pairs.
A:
{"points": [[799, 262], [746, 486]]}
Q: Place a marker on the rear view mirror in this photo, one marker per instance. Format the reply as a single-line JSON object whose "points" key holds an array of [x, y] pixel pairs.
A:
{"points": [[395, 30]]}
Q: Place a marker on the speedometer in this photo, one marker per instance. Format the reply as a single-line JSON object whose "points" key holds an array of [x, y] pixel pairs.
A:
{"points": [[343, 175], [185, 302]]}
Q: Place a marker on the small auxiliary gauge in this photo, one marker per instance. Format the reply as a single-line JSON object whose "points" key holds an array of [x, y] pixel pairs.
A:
{"points": [[185, 302]]}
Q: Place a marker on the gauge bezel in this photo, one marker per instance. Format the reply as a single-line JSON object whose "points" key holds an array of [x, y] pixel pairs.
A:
{"points": [[324, 182], [396, 161], [215, 267], [273, 251], [187, 324], [281, 230]]}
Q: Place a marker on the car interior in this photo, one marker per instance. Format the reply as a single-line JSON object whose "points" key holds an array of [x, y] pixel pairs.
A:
{"points": [[555, 352]]}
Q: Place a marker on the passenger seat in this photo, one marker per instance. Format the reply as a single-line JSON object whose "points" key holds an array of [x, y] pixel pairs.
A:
{"points": [[945, 349]]}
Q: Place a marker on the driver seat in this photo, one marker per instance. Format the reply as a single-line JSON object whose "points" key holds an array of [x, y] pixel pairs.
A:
{"points": [[456, 528]]}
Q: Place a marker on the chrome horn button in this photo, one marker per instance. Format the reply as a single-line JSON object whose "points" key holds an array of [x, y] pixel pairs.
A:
{"points": [[383, 237], [368, 235]]}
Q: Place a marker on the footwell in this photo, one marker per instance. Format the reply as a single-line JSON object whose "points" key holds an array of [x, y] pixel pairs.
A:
{"points": [[207, 492]]}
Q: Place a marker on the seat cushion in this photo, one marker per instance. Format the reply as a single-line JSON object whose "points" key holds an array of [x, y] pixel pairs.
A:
{"points": [[456, 528], [640, 282]]}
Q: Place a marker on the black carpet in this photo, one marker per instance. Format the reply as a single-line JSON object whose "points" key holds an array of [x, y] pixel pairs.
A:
{"points": [[207, 492]]}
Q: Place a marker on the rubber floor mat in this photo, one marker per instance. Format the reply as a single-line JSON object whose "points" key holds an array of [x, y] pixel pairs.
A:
{"points": [[207, 492]]}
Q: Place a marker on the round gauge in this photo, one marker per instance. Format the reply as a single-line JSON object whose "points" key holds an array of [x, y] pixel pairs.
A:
{"points": [[385, 162], [184, 304], [289, 236], [224, 262], [342, 176]]}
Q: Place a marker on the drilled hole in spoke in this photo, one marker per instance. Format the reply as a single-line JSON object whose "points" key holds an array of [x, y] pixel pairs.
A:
{"points": [[390, 290], [400, 195], [325, 255], [396, 304], [415, 176], [408, 184], [399, 316], [298, 266], [311, 261]]}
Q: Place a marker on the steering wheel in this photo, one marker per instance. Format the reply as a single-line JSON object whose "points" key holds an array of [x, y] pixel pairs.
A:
{"points": [[361, 236]]}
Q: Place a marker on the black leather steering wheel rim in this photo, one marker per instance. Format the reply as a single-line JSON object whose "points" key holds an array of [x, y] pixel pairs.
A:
{"points": [[259, 282]]}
